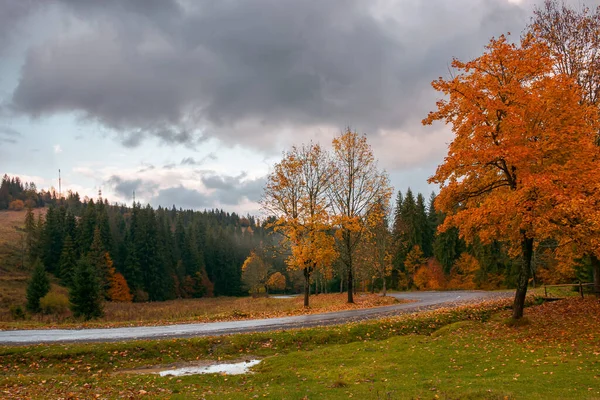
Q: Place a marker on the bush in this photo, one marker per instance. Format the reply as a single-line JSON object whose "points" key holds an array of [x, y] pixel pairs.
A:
{"points": [[16, 205], [54, 303], [16, 312]]}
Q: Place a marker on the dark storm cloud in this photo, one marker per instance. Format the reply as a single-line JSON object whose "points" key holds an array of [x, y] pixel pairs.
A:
{"points": [[9, 135], [185, 71]]}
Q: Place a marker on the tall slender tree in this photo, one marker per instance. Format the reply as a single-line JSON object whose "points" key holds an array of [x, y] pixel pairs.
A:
{"points": [[357, 184]]}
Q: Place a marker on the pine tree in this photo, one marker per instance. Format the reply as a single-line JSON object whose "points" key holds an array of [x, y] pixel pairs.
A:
{"points": [[68, 261], [38, 287], [421, 228], [86, 296], [97, 257], [31, 236]]}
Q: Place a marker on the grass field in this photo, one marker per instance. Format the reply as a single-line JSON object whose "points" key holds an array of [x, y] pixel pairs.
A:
{"points": [[200, 310], [13, 274], [466, 353]]}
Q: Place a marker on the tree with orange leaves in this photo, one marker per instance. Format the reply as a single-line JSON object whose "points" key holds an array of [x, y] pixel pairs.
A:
{"points": [[296, 195], [357, 185], [521, 147], [119, 290], [573, 36]]}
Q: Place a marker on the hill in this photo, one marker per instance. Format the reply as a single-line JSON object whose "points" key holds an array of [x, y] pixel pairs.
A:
{"points": [[13, 271]]}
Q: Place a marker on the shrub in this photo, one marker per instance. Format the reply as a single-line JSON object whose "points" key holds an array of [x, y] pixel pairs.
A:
{"points": [[16, 312], [54, 303], [16, 205]]}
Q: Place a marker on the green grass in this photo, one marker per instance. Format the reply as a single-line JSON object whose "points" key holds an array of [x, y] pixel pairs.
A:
{"points": [[464, 353]]}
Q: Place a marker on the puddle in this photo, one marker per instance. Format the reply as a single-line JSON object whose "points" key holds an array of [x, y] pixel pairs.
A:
{"points": [[194, 368], [229, 369], [284, 296]]}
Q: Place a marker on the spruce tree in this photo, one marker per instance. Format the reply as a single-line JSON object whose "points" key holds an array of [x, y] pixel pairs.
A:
{"points": [[38, 287], [31, 236], [86, 295], [68, 261]]}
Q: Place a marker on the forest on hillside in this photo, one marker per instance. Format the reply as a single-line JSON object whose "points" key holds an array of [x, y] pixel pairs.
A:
{"points": [[172, 253]]}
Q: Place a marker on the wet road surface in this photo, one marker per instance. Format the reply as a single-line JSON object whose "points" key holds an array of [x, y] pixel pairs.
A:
{"points": [[422, 301]]}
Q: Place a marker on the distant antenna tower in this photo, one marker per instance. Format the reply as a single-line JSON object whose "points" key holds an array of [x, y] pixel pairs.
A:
{"points": [[99, 192], [59, 185], [134, 198]]}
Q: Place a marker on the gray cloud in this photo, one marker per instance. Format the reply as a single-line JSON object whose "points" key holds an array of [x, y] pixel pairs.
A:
{"points": [[183, 73], [9, 135], [222, 190], [126, 187], [183, 197], [193, 161], [231, 190]]}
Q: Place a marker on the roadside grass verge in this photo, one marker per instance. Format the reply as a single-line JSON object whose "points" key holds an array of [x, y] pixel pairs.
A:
{"points": [[467, 352], [202, 310]]}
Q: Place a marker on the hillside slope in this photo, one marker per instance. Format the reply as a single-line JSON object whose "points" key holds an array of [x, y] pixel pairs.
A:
{"points": [[14, 272]]}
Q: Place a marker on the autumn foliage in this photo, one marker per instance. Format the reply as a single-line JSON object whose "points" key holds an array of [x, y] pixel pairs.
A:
{"points": [[276, 281], [119, 290], [522, 150]]}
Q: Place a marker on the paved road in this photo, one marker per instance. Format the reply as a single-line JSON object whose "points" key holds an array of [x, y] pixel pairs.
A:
{"points": [[423, 301]]}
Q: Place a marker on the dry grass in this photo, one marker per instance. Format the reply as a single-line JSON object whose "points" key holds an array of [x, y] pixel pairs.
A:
{"points": [[204, 310], [13, 274]]}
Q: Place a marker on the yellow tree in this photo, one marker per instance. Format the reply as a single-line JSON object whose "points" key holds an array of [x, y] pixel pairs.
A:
{"points": [[375, 250], [255, 272], [276, 281], [522, 141], [295, 194], [356, 186]]}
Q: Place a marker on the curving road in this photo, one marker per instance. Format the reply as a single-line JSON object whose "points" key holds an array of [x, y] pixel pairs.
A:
{"points": [[422, 301]]}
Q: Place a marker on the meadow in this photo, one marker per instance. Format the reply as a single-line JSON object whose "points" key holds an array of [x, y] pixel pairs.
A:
{"points": [[467, 352]]}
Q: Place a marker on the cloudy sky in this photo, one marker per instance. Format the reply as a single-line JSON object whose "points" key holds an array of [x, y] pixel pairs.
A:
{"points": [[190, 102]]}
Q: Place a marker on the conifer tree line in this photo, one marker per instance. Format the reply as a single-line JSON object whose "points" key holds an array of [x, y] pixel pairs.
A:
{"points": [[16, 195], [139, 253]]}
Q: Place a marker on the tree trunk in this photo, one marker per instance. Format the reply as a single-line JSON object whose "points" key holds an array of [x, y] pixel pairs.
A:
{"points": [[394, 279], [524, 273], [350, 286], [306, 286], [384, 288], [341, 283], [596, 268]]}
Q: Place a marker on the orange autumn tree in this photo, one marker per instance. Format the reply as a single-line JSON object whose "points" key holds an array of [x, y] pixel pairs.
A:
{"points": [[573, 36], [295, 194], [357, 185], [521, 140], [118, 290], [276, 281]]}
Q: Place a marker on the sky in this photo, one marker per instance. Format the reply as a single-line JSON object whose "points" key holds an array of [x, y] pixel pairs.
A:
{"points": [[192, 102]]}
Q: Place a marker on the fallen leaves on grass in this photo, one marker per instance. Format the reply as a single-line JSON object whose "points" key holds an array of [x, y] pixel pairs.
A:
{"points": [[208, 310]]}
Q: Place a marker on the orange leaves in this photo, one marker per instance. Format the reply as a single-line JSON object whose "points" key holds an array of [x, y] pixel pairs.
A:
{"points": [[523, 141], [276, 281], [119, 290]]}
